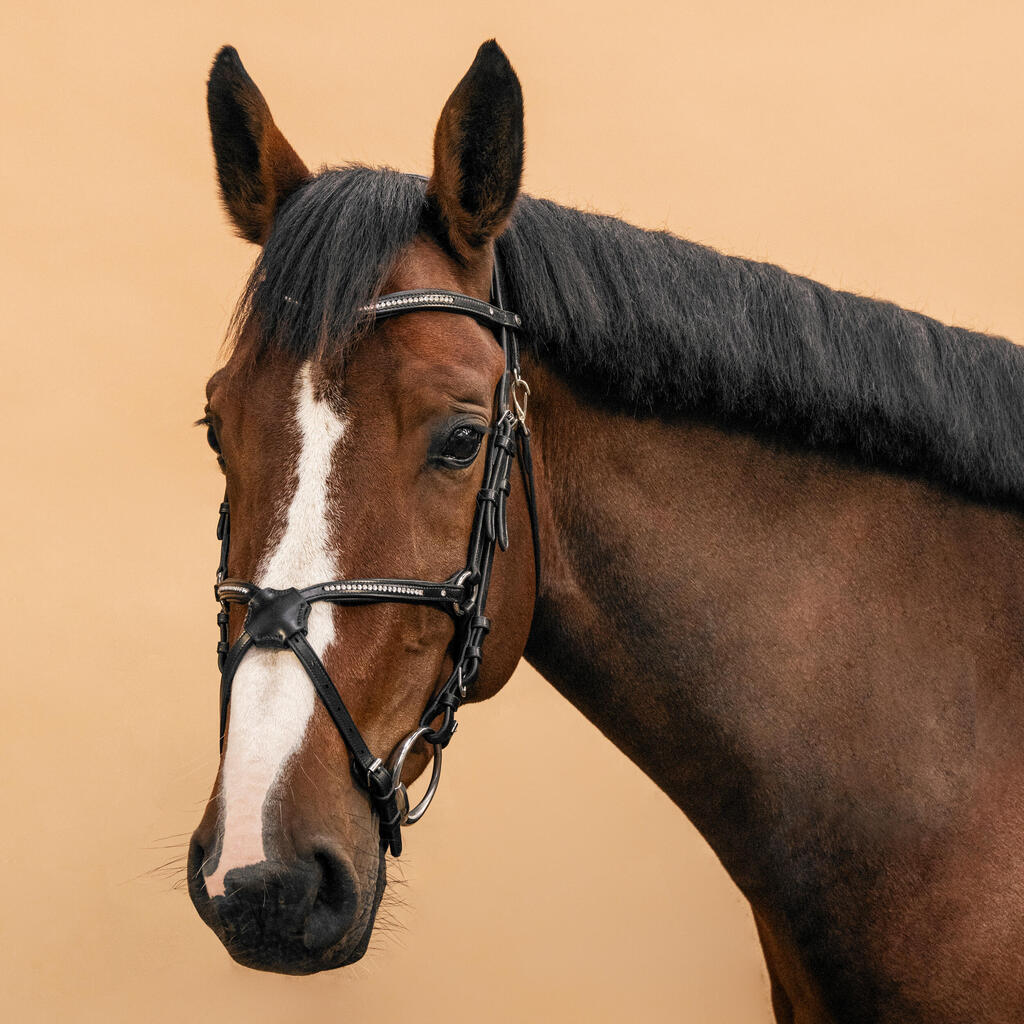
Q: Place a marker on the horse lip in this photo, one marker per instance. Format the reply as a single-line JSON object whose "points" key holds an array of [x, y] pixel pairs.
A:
{"points": [[270, 960]]}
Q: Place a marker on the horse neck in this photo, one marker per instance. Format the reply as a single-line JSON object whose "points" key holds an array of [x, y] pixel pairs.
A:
{"points": [[782, 642]]}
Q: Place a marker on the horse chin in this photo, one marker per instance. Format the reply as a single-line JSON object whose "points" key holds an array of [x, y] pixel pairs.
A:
{"points": [[341, 956]]}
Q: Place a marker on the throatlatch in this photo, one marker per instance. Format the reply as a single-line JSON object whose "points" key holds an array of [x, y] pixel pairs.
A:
{"points": [[278, 618]]}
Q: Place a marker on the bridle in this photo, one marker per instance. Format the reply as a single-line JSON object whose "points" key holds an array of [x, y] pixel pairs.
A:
{"points": [[278, 618]]}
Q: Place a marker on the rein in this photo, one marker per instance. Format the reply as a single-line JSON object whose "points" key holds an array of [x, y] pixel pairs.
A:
{"points": [[278, 618]]}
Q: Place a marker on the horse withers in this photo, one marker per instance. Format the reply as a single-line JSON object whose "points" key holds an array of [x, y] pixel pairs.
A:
{"points": [[780, 546]]}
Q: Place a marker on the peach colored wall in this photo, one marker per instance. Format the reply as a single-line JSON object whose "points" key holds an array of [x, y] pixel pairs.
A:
{"points": [[875, 146]]}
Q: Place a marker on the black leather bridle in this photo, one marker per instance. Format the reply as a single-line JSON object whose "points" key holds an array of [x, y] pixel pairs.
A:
{"points": [[278, 618]]}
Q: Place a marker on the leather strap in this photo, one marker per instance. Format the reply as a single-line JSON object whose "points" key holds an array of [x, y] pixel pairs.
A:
{"points": [[227, 675], [419, 299], [369, 770], [325, 689], [360, 591], [447, 594], [530, 489]]}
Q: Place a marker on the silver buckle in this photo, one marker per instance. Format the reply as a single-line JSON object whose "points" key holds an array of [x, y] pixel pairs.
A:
{"points": [[377, 763]]}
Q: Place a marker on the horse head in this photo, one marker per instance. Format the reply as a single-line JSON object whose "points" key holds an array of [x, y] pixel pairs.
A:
{"points": [[371, 450]]}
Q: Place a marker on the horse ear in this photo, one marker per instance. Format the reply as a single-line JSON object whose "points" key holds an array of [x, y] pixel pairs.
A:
{"points": [[478, 153], [256, 166]]}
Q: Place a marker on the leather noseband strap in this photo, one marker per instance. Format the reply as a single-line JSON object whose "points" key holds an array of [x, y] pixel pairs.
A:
{"points": [[278, 618]]}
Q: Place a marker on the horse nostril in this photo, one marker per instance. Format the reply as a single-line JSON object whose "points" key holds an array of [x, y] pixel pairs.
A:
{"points": [[197, 854], [194, 869], [335, 905]]}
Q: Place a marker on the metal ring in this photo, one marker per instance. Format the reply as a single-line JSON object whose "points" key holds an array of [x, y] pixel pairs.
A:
{"points": [[466, 605], [397, 762]]}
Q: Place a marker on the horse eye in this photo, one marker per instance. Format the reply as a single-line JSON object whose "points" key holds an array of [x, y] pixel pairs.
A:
{"points": [[460, 446], [211, 438]]}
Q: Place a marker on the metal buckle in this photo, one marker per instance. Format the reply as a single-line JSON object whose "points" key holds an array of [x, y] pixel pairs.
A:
{"points": [[377, 763], [520, 395], [410, 815]]}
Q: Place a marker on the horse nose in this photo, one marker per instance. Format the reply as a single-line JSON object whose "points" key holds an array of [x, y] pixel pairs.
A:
{"points": [[283, 915]]}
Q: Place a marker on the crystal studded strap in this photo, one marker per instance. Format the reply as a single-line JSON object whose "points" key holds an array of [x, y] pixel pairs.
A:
{"points": [[448, 593], [435, 299], [235, 591], [371, 591]]}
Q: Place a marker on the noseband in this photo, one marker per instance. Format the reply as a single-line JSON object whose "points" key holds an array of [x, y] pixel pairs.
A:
{"points": [[277, 619]]}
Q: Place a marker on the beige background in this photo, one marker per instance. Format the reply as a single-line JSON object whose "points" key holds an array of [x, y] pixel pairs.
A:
{"points": [[878, 148]]}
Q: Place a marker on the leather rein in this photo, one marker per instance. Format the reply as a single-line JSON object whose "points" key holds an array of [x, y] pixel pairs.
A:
{"points": [[278, 618]]}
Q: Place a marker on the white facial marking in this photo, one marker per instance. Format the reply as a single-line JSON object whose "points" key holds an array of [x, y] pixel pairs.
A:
{"points": [[272, 699]]}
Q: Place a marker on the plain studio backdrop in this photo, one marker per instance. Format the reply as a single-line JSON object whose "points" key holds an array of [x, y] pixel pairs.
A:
{"points": [[878, 148]]}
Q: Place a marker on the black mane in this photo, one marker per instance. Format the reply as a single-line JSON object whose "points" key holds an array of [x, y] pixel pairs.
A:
{"points": [[658, 325]]}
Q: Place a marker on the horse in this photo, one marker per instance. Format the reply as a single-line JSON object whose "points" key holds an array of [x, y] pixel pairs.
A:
{"points": [[779, 547]]}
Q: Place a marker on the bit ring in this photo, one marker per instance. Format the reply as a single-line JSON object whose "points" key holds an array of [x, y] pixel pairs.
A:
{"points": [[410, 815]]}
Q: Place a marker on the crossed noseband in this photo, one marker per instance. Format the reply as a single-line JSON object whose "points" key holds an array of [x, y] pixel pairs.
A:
{"points": [[278, 619]]}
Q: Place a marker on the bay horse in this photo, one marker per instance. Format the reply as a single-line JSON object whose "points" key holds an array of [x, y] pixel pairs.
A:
{"points": [[780, 560]]}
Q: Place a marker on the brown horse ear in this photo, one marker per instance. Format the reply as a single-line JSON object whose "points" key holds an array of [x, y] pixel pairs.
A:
{"points": [[256, 166], [478, 153]]}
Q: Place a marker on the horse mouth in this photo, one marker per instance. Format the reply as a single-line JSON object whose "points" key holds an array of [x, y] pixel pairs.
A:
{"points": [[291, 957]]}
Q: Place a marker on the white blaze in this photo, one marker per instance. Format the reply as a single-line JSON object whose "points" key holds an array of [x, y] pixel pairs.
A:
{"points": [[272, 699]]}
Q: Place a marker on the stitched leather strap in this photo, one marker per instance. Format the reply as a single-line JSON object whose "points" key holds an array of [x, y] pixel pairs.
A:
{"points": [[530, 489], [325, 689], [370, 771], [227, 675]]}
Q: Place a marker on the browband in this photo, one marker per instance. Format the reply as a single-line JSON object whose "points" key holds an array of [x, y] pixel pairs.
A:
{"points": [[438, 299]]}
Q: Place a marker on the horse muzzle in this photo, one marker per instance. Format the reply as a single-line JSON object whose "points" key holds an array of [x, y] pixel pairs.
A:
{"points": [[291, 917]]}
